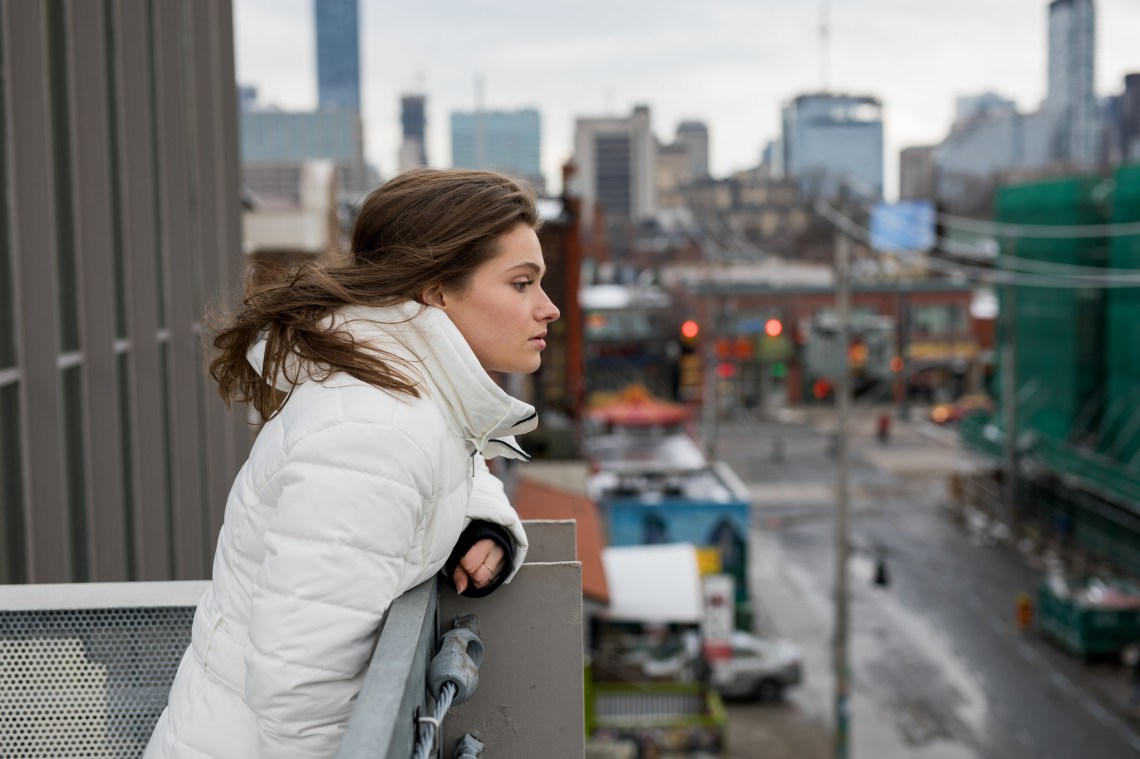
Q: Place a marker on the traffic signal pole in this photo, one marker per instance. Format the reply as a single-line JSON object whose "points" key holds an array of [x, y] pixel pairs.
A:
{"points": [[842, 498], [708, 391]]}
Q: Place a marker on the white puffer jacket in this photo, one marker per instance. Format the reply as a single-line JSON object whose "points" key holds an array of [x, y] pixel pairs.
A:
{"points": [[350, 497]]}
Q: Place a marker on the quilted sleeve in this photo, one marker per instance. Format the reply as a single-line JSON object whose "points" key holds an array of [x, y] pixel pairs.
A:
{"points": [[489, 503], [335, 549]]}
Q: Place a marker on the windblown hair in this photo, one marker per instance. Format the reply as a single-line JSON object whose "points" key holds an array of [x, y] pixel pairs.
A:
{"points": [[423, 228]]}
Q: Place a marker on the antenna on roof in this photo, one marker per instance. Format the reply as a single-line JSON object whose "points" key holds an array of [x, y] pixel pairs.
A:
{"points": [[824, 40], [480, 126]]}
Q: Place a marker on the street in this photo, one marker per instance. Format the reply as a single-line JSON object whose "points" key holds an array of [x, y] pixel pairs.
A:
{"points": [[938, 667]]}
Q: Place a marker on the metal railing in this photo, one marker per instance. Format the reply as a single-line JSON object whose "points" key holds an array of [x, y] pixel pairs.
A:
{"points": [[85, 669]]}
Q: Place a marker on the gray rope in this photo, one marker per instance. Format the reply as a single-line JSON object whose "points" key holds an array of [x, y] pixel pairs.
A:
{"points": [[431, 728], [452, 677]]}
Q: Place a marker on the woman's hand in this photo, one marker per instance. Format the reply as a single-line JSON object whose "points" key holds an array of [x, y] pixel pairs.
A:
{"points": [[479, 566]]}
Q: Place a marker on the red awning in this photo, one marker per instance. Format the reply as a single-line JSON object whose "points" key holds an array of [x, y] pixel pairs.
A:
{"points": [[635, 407]]}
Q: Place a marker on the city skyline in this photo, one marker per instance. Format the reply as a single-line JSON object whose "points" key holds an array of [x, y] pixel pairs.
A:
{"points": [[732, 65]]}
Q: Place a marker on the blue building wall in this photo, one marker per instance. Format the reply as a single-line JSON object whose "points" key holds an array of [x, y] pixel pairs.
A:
{"points": [[280, 136], [512, 142], [636, 521]]}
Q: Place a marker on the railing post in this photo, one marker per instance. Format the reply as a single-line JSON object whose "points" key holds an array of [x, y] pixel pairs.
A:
{"points": [[530, 700]]}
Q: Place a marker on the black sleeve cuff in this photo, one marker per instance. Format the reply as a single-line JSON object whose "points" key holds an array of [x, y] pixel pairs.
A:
{"points": [[476, 531]]}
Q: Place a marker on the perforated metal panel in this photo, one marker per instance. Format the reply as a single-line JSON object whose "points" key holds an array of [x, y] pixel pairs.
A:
{"points": [[87, 683]]}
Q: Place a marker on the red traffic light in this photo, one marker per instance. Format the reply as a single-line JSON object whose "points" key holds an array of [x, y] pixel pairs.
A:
{"points": [[773, 328], [690, 329]]}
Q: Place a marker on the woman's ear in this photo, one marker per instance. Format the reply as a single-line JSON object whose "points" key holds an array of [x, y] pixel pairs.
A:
{"points": [[433, 296]]}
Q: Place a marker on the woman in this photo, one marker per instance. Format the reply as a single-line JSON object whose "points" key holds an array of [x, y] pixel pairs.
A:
{"points": [[369, 475]]}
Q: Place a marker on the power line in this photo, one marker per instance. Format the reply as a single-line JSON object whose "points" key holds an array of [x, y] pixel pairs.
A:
{"points": [[1003, 229], [980, 274], [1006, 261], [1040, 231], [960, 248]]}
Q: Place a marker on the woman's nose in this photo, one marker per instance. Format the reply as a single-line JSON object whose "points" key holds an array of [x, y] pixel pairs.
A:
{"points": [[548, 312]]}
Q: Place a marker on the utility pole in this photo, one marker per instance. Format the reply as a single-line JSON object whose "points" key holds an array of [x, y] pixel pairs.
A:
{"points": [[842, 497], [1009, 406], [903, 334]]}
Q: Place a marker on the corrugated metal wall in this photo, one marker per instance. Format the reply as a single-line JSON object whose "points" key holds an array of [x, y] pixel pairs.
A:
{"points": [[120, 223]]}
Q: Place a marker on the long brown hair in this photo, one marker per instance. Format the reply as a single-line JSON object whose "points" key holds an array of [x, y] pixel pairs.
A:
{"points": [[424, 227]]}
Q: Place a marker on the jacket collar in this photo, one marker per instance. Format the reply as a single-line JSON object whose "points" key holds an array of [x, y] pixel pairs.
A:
{"points": [[485, 415]]}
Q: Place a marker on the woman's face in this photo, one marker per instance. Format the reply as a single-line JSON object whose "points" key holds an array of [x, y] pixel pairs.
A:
{"points": [[503, 312]]}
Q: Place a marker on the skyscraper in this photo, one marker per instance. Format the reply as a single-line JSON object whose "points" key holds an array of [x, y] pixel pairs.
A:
{"points": [[413, 120], [694, 135], [338, 55], [615, 161], [826, 137], [917, 173], [1071, 101], [506, 141], [1129, 130], [275, 144]]}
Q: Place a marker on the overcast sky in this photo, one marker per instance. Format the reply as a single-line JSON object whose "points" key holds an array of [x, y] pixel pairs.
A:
{"points": [[729, 63]]}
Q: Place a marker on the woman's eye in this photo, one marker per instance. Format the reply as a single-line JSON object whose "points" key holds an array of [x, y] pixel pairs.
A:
{"points": [[522, 286]]}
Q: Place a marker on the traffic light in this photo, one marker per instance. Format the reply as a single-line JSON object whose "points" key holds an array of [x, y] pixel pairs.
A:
{"points": [[773, 327], [690, 329], [725, 370]]}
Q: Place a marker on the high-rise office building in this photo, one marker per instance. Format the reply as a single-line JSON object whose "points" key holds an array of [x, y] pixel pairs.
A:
{"points": [[615, 166], [1123, 125], [413, 121], [1071, 102], [981, 106], [506, 141], [274, 145], [119, 223], [1130, 118], [981, 148], [338, 55], [674, 172], [269, 136], [916, 173], [827, 137], [694, 136], [246, 97]]}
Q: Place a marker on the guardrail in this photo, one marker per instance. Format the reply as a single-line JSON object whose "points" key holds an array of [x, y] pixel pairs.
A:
{"points": [[85, 669]]}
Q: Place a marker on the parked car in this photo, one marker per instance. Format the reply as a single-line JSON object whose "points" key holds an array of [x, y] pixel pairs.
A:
{"points": [[760, 668]]}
